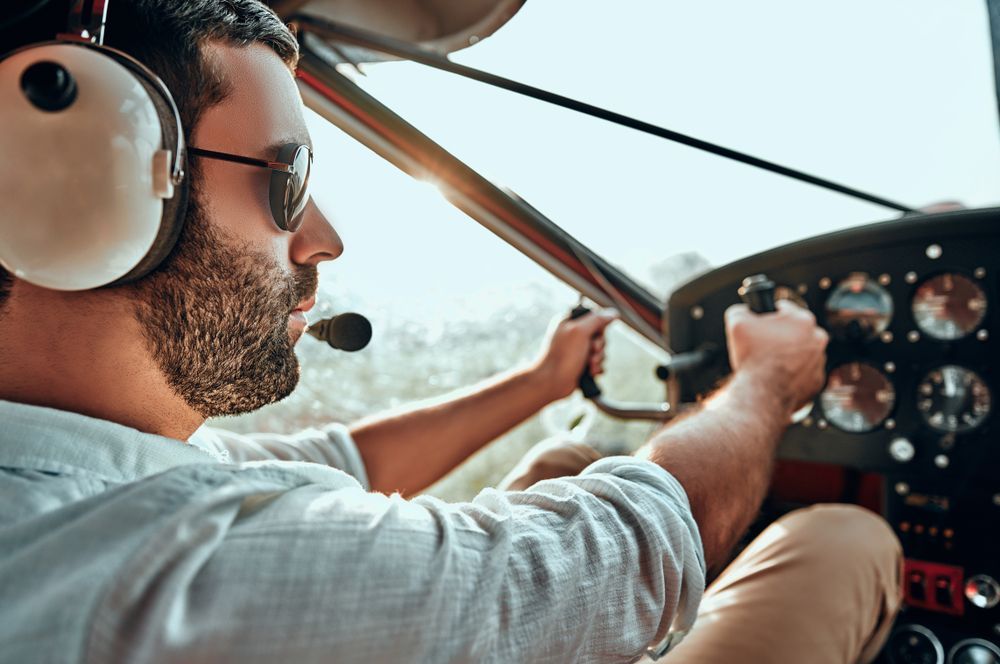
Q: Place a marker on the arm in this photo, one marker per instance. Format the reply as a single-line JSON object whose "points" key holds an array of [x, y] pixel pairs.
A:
{"points": [[723, 454], [299, 564], [409, 450]]}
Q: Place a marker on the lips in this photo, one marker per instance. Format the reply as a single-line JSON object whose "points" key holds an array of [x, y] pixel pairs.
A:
{"points": [[306, 305]]}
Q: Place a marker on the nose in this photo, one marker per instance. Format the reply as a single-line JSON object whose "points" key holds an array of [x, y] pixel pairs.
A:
{"points": [[316, 240]]}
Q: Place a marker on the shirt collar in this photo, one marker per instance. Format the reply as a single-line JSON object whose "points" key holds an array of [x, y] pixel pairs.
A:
{"points": [[57, 441]]}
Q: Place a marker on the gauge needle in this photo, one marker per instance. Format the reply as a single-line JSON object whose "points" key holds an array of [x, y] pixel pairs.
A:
{"points": [[950, 384]]}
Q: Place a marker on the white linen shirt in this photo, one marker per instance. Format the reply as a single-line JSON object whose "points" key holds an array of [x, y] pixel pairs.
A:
{"points": [[120, 546]]}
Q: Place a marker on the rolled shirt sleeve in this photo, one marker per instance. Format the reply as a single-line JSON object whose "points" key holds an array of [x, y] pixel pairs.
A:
{"points": [[288, 562]]}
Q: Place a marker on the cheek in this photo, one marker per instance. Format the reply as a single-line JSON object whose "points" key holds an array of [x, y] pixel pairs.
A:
{"points": [[238, 198]]}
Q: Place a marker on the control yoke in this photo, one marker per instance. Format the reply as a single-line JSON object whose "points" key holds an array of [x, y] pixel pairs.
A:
{"points": [[757, 292]]}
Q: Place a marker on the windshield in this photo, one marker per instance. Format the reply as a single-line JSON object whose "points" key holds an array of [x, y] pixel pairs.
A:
{"points": [[895, 98]]}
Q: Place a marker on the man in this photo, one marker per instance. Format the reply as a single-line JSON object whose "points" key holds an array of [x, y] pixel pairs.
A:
{"points": [[122, 543]]}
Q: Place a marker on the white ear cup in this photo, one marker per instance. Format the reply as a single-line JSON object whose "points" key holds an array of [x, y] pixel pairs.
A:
{"points": [[81, 189]]}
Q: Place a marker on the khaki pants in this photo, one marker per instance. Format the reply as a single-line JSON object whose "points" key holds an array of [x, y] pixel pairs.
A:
{"points": [[820, 586]]}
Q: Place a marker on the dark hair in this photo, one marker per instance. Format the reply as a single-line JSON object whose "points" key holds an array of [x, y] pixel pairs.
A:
{"points": [[167, 36]]}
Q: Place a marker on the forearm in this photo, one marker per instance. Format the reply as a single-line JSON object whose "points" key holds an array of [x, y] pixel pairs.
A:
{"points": [[409, 450], [723, 456]]}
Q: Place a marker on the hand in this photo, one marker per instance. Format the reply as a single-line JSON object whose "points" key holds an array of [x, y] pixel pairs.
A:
{"points": [[571, 346], [546, 460], [786, 349]]}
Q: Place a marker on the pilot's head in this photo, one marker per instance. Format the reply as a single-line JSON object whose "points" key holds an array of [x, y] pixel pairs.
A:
{"points": [[214, 319]]}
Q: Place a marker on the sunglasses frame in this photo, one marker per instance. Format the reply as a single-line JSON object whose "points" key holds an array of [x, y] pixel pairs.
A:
{"points": [[280, 192]]}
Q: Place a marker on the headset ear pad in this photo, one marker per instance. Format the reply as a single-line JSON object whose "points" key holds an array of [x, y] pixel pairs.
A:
{"points": [[175, 207], [86, 197]]}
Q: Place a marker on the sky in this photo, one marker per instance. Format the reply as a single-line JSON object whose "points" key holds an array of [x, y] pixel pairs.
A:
{"points": [[895, 97]]}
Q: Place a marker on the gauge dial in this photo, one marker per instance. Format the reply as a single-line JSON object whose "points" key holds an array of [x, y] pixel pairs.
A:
{"points": [[858, 308], [789, 294], [954, 399], [949, 306], [858, 397]]}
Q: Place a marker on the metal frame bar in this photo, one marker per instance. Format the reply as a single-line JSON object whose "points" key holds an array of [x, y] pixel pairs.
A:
{"points": [[362, 116]]}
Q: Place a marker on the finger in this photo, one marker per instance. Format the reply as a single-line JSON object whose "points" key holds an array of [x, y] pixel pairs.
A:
{"points": [[595, 322], [598, 345], [737, 312]]}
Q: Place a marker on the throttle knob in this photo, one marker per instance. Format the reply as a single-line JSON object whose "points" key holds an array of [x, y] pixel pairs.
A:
{"points": [[757, 292], [49, 86]]}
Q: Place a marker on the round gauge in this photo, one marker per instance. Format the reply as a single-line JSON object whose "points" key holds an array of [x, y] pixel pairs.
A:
{"points": [[789, 294], [857, 398], [858, 308], [954, 399], [949, 306]]}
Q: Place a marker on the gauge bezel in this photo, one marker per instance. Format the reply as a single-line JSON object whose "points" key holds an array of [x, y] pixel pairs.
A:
{"points": [[885, 319], [989, 645], [923, 377], [926, 279], [879, 425], [923, 631]]}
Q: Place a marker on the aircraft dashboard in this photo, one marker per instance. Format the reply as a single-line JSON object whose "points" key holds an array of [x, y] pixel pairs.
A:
{"points": [[912, 307]]}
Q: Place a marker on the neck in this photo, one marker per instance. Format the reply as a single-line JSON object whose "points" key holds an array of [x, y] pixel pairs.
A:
{"points": [[85, 353]]}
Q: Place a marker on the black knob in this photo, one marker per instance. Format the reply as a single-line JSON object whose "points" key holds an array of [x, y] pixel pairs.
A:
{"points": [[588, 385], [758, 294], [49, 86]]}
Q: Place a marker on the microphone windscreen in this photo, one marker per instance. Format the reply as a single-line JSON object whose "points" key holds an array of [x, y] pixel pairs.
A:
{"points": [[348, 332]]}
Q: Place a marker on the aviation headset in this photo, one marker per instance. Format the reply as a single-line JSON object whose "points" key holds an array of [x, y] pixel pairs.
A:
{"points": [[93, 185]]}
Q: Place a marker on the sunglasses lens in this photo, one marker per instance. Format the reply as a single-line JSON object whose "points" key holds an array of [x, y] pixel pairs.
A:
{"points": [[296, 188]]}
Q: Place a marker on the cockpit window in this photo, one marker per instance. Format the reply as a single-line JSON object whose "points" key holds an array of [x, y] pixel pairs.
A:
{"points": [[895, 98]]}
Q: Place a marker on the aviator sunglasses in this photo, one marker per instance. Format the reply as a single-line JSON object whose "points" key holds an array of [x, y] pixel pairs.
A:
{"points": [[289, 180]]}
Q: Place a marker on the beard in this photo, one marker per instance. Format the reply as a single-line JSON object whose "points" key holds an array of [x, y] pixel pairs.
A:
{"points": [[215, 319]]}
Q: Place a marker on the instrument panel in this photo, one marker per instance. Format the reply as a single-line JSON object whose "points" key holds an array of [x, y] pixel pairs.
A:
{"points": [[912, 307]]}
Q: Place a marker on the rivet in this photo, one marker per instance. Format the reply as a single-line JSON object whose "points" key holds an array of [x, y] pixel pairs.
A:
{"points": [[885, 279], [982, 335], [942, 461], [911, 277], [886, 337], [902, 488], [934, 251], [825, 283], [890, 367], [697, 313], [913, 336]]}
